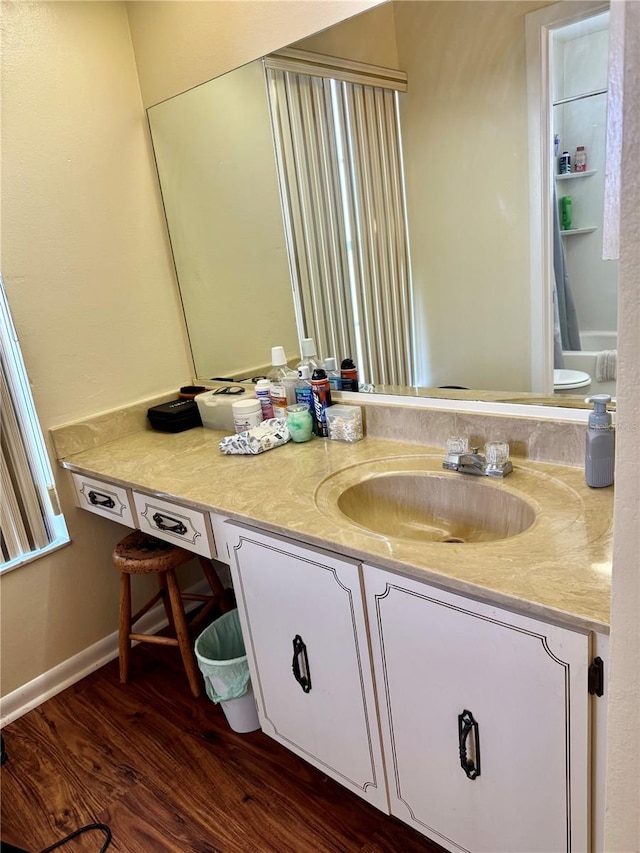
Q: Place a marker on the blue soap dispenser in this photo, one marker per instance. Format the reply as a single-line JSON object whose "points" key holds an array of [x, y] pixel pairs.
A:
{"points": [[600, 444]]}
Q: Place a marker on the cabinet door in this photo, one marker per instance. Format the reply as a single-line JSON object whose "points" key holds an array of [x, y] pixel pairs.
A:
{"points": [[303, 621], [442, 663]]}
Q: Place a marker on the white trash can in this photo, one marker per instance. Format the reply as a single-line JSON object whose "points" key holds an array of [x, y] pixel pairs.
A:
{"points": [[222, 660]]}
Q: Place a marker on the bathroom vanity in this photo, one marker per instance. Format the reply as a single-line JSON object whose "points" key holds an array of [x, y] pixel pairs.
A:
{"points": [[455, 682]]}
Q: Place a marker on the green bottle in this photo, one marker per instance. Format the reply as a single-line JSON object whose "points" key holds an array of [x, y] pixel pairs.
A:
{"points": [[565, 212]]}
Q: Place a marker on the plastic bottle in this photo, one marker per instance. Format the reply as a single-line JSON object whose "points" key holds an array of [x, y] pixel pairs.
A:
{"points": [[565, 163], [566, 205], [304, 394], [321, 400], [309, 356], [282, 383], [348, 375], [580, 160], [246, 414], [333, 374], [600, 444], [262, 393]]}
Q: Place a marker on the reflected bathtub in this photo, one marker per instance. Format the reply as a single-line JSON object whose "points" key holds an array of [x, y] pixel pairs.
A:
{"points": [[592, 343]]}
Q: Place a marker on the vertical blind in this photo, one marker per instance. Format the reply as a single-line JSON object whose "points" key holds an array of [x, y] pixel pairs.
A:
{"points": [[337, 138], [30, 521]]}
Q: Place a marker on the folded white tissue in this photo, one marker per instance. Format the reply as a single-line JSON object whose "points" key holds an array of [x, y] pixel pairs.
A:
{"points": [[267, 435]]}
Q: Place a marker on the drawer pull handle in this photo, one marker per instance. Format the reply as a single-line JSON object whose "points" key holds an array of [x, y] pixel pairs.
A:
{"points": [[301, 673], [174, 525], [98, 499], [466, 725]]}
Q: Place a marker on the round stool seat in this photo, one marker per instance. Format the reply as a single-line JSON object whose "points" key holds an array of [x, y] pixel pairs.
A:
{"points": [[139, 553]]}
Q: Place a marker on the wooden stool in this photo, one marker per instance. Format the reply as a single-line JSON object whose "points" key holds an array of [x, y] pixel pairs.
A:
{"points": [[138, 553]]}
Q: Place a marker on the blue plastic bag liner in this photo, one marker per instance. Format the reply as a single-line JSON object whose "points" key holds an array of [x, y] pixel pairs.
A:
{"points": [[222, 660]]}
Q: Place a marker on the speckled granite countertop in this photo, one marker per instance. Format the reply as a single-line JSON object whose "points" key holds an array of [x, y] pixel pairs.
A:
{"points": [[558, 569]]}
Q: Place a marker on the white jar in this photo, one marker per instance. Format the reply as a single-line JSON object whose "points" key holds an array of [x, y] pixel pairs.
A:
{"points": [[246, 414]]}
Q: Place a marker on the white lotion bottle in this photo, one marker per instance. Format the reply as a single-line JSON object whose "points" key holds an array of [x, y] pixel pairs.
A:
{"points": [[600, 444]]}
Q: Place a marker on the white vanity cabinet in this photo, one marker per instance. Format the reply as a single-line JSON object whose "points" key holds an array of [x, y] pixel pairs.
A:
{"points": [[303, 621], [485, 720]]}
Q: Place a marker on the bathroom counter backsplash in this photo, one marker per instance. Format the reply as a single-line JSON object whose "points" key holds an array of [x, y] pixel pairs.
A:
{"points": [[560, 568]]}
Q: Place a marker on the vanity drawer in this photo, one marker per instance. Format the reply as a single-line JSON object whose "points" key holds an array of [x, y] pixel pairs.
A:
{"points": [[104, 499], [178, 524]]}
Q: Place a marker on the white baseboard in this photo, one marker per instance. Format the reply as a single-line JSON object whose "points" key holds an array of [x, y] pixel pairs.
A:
{"points": [[74, 669]]}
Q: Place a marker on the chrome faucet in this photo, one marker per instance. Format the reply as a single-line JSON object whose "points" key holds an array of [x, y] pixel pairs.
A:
{"points": [[494, 463]]}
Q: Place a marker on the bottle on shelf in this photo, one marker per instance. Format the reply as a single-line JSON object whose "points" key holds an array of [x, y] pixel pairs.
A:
{"points": [[348, 375], [321, 400], [282, 383], [566, 205], [263, 395], [304, 393], [580, 160], [564, 164], [309, 355], [333, 374]]}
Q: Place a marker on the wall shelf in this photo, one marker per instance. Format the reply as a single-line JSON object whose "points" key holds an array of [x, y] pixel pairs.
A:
{"points": [[571, 231], [576, 175]]}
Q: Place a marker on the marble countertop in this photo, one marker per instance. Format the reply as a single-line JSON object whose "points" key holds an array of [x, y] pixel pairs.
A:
{"points": [[559, 569]]}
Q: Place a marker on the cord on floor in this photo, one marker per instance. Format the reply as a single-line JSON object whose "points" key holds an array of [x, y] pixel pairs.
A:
{"points": [[101, 826]]}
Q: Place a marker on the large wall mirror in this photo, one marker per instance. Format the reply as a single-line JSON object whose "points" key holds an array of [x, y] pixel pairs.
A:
{"points": [[465, 144]]}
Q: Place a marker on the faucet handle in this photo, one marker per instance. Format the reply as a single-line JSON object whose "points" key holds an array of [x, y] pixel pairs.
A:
{"points": [[457, 444], [496, 452]]}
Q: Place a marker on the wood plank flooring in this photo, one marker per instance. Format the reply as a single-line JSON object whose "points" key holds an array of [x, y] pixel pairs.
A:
{"points": [[168, 775]]}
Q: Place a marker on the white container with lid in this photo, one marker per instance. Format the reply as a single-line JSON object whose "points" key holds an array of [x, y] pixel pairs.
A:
{"points": [[216, 410], [246, 414]]}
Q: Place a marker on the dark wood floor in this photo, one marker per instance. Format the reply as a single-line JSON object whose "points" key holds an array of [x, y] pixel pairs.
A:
{"points": [[166, 773]]}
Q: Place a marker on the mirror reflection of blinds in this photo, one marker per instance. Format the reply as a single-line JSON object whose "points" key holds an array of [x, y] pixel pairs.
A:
{"points": [[340, 170]]}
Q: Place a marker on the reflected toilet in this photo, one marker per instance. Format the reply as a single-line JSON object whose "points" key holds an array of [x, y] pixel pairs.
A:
{"points": [[570, 381]]}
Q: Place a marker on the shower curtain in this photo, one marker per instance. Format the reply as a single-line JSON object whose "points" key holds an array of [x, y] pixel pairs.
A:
{"points": [[566, 335]]}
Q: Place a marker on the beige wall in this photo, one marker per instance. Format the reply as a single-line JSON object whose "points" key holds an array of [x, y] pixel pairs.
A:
{"points": [[217, 35], [88, 273], [86, 260], [464, 127], [217, 166], [623, 770]]}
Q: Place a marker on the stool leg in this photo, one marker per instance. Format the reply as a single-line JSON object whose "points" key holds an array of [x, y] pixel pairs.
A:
{"points": [[215, 583], [125, 625], [182, 633], [164, 590]]}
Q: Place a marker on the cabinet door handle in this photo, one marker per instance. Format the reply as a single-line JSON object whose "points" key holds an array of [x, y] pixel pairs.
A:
{"points": [[466, 725], [300, 665], [175, 525], [98, 499]]}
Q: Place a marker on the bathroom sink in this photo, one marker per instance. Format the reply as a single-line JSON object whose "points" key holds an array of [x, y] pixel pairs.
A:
{"points": [[434, 507]]}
